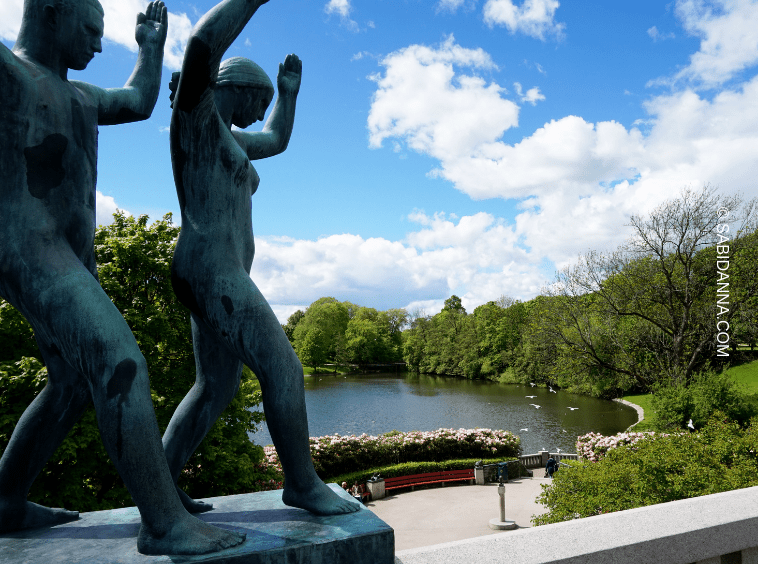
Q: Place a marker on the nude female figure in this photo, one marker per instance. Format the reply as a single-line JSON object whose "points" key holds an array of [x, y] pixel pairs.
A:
{"points": [[231, 321]]}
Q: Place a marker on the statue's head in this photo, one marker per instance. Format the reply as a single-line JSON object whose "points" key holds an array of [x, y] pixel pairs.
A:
{"points": [[73, 27], [250, 86]]}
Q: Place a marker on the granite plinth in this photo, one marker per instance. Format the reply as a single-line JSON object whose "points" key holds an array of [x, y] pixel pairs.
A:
{"points": [[276, 534]]}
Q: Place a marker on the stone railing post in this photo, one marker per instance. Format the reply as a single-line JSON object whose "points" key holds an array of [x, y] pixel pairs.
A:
{"points": [[544, 455]]}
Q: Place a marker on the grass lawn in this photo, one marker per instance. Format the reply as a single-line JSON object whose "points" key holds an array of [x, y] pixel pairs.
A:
{"points": [[645, 402], [747, 375]]}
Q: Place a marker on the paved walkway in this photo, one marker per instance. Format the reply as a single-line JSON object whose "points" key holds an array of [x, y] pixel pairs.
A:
{"points": [[456, 512]]}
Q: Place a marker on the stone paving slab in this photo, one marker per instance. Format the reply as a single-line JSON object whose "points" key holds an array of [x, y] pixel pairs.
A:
{"points": [[442, 514], [276, 534]]}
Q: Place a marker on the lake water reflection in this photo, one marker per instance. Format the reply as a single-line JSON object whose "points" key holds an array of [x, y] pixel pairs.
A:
{"points": [[378, 403]]}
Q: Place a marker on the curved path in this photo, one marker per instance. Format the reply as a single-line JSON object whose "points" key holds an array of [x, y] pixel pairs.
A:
{"points": [[637, 408]]}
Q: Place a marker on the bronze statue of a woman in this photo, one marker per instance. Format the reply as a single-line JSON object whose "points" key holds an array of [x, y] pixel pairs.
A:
{"points": [[232, 323]]}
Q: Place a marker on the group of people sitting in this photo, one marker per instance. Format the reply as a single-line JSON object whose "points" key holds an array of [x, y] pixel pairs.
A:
{"points": [[358, 491]]}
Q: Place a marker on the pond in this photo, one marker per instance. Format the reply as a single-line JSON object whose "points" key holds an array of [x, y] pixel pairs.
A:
{"points": [[379, 403]]}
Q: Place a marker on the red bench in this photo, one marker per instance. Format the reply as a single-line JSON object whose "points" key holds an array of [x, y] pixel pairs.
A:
{"points": [[428, 478]]}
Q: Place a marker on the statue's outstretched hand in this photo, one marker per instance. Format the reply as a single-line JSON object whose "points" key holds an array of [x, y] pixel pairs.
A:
{"points": [[290, 72], [152, 26]]}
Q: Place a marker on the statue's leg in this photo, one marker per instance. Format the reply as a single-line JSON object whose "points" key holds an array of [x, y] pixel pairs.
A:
{"points": [[216, 383], [71, 310], [247, 324], [37, 435]]}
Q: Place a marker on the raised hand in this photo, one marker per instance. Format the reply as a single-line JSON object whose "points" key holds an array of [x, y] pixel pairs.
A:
{"points": [[290, 72], [152, 26]]}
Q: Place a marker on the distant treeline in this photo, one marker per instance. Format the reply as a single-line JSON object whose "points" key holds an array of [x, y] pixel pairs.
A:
{"points": [[678, 296]]}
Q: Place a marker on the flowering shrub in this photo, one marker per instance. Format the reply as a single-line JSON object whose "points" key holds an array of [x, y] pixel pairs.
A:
{"points": [[335, 454], [594, 446], [268, 477], [719, 457]]}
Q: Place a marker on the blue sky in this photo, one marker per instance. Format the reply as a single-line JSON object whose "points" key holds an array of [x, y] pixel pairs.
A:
{"points": [[457, 146]]}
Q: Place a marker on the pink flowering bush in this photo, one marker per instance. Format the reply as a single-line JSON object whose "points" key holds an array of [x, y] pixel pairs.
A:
{"points": [[594, 446], [334, 454]]}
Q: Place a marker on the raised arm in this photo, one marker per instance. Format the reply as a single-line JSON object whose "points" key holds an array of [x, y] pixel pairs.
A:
{"points": [[275, 136], [136, 100], [208, 42]]}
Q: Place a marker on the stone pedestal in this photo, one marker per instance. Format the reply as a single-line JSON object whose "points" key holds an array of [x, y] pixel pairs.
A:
{"points": [[376, 489], [276, 534], [499, 525]]}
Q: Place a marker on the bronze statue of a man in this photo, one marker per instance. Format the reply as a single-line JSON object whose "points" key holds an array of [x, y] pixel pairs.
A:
{"points": [[48, 160]]}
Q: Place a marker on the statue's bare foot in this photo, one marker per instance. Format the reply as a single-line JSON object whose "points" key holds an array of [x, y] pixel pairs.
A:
{"points": [[318, 498], [188, 536], [193, 505], [28, 515]]}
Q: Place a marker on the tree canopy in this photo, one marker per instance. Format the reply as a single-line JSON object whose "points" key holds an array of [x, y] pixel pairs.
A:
{"points": [[330, 331], [134, 261]]}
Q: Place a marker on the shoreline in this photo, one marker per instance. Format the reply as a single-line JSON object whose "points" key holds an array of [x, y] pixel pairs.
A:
{"points": [[637, 408]]}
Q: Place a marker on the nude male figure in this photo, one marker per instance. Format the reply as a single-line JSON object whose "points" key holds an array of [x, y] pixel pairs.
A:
{"points": [[48, 160]]}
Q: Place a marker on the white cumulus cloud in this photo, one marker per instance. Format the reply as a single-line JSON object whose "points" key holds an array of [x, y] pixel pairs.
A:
{"points": [[535, 18], [532, 96], [656, 35], [577, 181], [106, 206], [421, 100], [342, 8], [475, 256], [728, 30], [10, 18]]}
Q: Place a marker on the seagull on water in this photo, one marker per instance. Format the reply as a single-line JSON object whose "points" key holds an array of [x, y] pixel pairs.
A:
{"points": [[557, 450], [527, 430], [531, 396], [573, 408], [532, 384], [535, 405]]}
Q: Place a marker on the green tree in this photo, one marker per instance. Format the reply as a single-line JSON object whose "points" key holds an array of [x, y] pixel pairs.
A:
{"points": [[311, 347], [320, 334], [292, 321], [134, 261], [363, 342], [646, 311]]}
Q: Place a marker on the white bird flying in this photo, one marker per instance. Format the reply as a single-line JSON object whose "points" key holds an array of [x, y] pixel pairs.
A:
{"points": [[573, 408], [535, 405], [552, 390], [524, 430], [690, 425]]}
